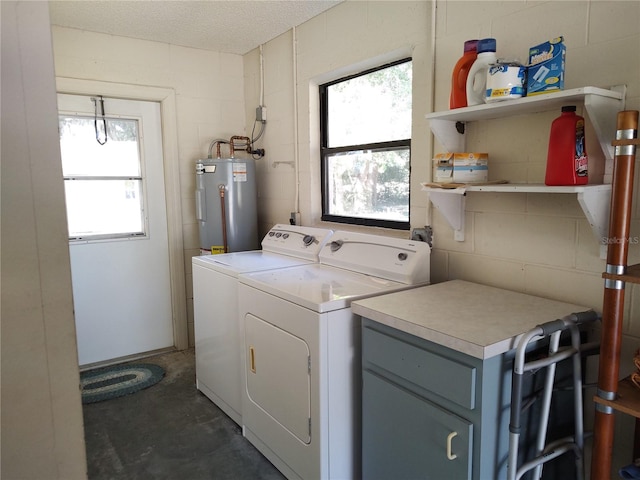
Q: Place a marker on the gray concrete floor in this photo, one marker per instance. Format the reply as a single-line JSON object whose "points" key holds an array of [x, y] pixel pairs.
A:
{"points": [[169, 431]]}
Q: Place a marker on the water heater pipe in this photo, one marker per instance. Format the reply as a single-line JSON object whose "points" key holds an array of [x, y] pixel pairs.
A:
{"points": [[434, 34], [223, 215], [247, 143], [217, 141], [261, 100], [296, 155]]}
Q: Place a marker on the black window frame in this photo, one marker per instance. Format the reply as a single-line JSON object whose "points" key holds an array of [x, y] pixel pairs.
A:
{"points": [[326, 151]]}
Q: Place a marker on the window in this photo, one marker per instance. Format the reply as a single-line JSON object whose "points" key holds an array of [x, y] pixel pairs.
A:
{"points": [[365, 123], [103, 183]]}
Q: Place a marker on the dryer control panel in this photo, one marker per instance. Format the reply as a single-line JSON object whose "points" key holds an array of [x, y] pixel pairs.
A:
{"points": [[404, 261]]}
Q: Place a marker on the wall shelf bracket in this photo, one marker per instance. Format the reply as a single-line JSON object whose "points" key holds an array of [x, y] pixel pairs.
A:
{"points": [[595, 204], [451, 204]]}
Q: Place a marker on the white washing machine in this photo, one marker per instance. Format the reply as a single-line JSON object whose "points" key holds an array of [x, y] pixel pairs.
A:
{"points": [[301, 395], [215, 287]]}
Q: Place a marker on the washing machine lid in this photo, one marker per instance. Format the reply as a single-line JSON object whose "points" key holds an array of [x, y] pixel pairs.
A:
{"points": [[296, 241], [235, 263], [283, 246], [320, 288]]}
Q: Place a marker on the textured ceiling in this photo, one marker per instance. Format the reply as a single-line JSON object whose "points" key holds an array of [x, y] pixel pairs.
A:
{"points": [[232, 26]]}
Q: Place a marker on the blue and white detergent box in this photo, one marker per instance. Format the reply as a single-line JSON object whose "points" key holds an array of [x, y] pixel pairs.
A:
{"points": [[545, 72], [465, 167]]}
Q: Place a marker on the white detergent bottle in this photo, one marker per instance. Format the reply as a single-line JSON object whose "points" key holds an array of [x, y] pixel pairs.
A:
{"points": [[477, 78]]}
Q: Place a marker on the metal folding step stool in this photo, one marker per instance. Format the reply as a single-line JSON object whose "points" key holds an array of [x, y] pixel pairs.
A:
{"points": [[545, 452]]}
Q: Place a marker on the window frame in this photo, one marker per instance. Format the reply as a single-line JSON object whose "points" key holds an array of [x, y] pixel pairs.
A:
{"points": [[326, 152]]}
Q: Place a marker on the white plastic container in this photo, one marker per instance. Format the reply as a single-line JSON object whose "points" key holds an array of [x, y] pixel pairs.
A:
{"points": [[505, 81], [477, 78]]}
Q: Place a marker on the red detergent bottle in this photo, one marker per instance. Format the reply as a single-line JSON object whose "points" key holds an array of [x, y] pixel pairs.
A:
{"points": [[567, 162], [458, 96]]}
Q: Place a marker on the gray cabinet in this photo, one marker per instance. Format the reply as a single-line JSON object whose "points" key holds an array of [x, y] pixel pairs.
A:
{"points": [[430, 412]]}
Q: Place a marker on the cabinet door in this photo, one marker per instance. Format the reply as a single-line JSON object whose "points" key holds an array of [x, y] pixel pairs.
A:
{"points": [[407, 437]]}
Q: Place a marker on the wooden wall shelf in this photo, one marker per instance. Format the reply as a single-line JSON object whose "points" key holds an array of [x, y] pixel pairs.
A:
{"points": [[631, 275]]}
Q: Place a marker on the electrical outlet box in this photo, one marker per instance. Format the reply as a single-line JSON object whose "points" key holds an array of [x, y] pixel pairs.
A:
{"points": [[261, 114], [295, 218]]}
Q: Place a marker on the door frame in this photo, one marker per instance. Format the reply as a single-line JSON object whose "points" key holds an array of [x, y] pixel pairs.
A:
{"points": [[167, 99]]}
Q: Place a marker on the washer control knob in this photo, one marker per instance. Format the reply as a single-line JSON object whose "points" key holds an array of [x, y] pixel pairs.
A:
{"points": [[285, 235], [278, 235], [308, 240], [402, 256], [271, 234], [336, 245]]}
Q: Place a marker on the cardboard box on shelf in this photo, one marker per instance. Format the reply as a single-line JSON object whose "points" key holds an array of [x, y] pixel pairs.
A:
{"points": [[545, 72], [468, 167]]}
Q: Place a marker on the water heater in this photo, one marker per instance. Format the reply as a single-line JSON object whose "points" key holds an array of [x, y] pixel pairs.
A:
{"points": [[227, 205]]}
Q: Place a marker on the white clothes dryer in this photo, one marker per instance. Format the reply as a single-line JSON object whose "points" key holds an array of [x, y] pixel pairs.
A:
{"points": [[302, 381], [215, 296]]}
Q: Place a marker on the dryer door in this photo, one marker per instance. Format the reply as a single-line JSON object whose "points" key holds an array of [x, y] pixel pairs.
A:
{"points": [[278, 380]]}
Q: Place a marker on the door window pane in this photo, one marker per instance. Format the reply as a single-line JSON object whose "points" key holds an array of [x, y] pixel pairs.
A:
{"points": [[103, 183], [104, 207], [82, 155]]}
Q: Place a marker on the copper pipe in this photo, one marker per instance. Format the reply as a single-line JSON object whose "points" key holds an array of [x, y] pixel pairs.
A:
{"points": [[247, 140], [215, 142], [223, 212], [613, 301]]}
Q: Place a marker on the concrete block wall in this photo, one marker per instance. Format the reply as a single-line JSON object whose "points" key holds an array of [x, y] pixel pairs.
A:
{"points": [[277, 181], [346, 39]]}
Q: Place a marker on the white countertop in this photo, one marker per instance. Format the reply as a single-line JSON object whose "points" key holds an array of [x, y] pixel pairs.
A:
{"points": [[474, 319]]}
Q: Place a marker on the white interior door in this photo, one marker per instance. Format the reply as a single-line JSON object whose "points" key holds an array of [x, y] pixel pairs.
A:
{"points": [[118, 227]]}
